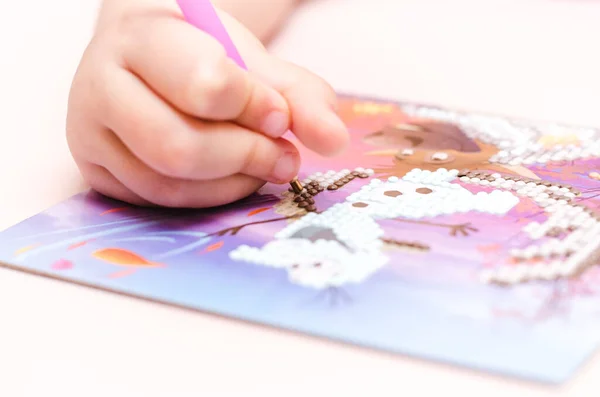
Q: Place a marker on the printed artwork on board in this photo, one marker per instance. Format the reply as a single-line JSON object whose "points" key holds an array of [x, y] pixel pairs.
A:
{"points": [[442, 234]]}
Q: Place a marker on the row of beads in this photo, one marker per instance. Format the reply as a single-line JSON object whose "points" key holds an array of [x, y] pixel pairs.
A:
{"points": [[331, 177], [405, 244], [536, 153], [543, 193], [439, 177]]}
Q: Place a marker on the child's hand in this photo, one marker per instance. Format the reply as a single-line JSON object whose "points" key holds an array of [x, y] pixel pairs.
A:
{"points": [[159, 115]]}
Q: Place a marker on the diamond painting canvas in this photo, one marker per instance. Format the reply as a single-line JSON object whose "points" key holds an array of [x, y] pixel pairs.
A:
{"points": [[458, 237]]}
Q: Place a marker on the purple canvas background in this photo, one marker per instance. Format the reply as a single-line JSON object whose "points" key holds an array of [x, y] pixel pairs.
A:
{"points": [[429, 305]]}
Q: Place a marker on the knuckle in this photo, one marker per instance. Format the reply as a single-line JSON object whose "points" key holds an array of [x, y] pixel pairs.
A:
{"points": [[131, 29], [127, 29], [210, 82]]}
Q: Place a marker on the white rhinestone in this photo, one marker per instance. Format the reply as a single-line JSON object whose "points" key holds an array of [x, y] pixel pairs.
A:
{"points": [[439, 156]]}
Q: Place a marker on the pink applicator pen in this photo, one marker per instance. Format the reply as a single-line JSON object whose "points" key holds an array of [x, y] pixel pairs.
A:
{"points": [[202, 14]]}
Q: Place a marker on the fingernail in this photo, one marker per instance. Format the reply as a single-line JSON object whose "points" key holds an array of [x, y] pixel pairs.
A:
{"points": [[275, 124], [286, 168]]}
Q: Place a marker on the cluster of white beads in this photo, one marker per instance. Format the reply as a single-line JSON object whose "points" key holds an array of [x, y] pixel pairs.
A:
{"points": [[338, 271], [560, 257], [564, 218], [439, 177], [319, 264], [357, 231], [518, 140], [535, 153], [325, 179], [423, 194], [353, 258], [549, 270], [543, 195]]}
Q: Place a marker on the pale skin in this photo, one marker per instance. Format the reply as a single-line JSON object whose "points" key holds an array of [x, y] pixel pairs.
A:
{"points": [[158, 115]]}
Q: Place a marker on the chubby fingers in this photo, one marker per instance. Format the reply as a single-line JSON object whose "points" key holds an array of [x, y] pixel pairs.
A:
{"points": [[124, 177], [191, 71], [179, 146], [311, 100], [111, 169], [313, 107]]}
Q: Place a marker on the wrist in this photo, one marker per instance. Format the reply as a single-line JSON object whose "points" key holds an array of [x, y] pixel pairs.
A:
{"points": [[111, 11]]}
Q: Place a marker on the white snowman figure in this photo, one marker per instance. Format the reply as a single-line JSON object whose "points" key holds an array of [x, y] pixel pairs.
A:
{"points": [[421, 194], [330, 249], [343, 244]]}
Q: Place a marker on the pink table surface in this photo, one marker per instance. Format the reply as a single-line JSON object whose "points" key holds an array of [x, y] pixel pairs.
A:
{"points": [[535, 59]]}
